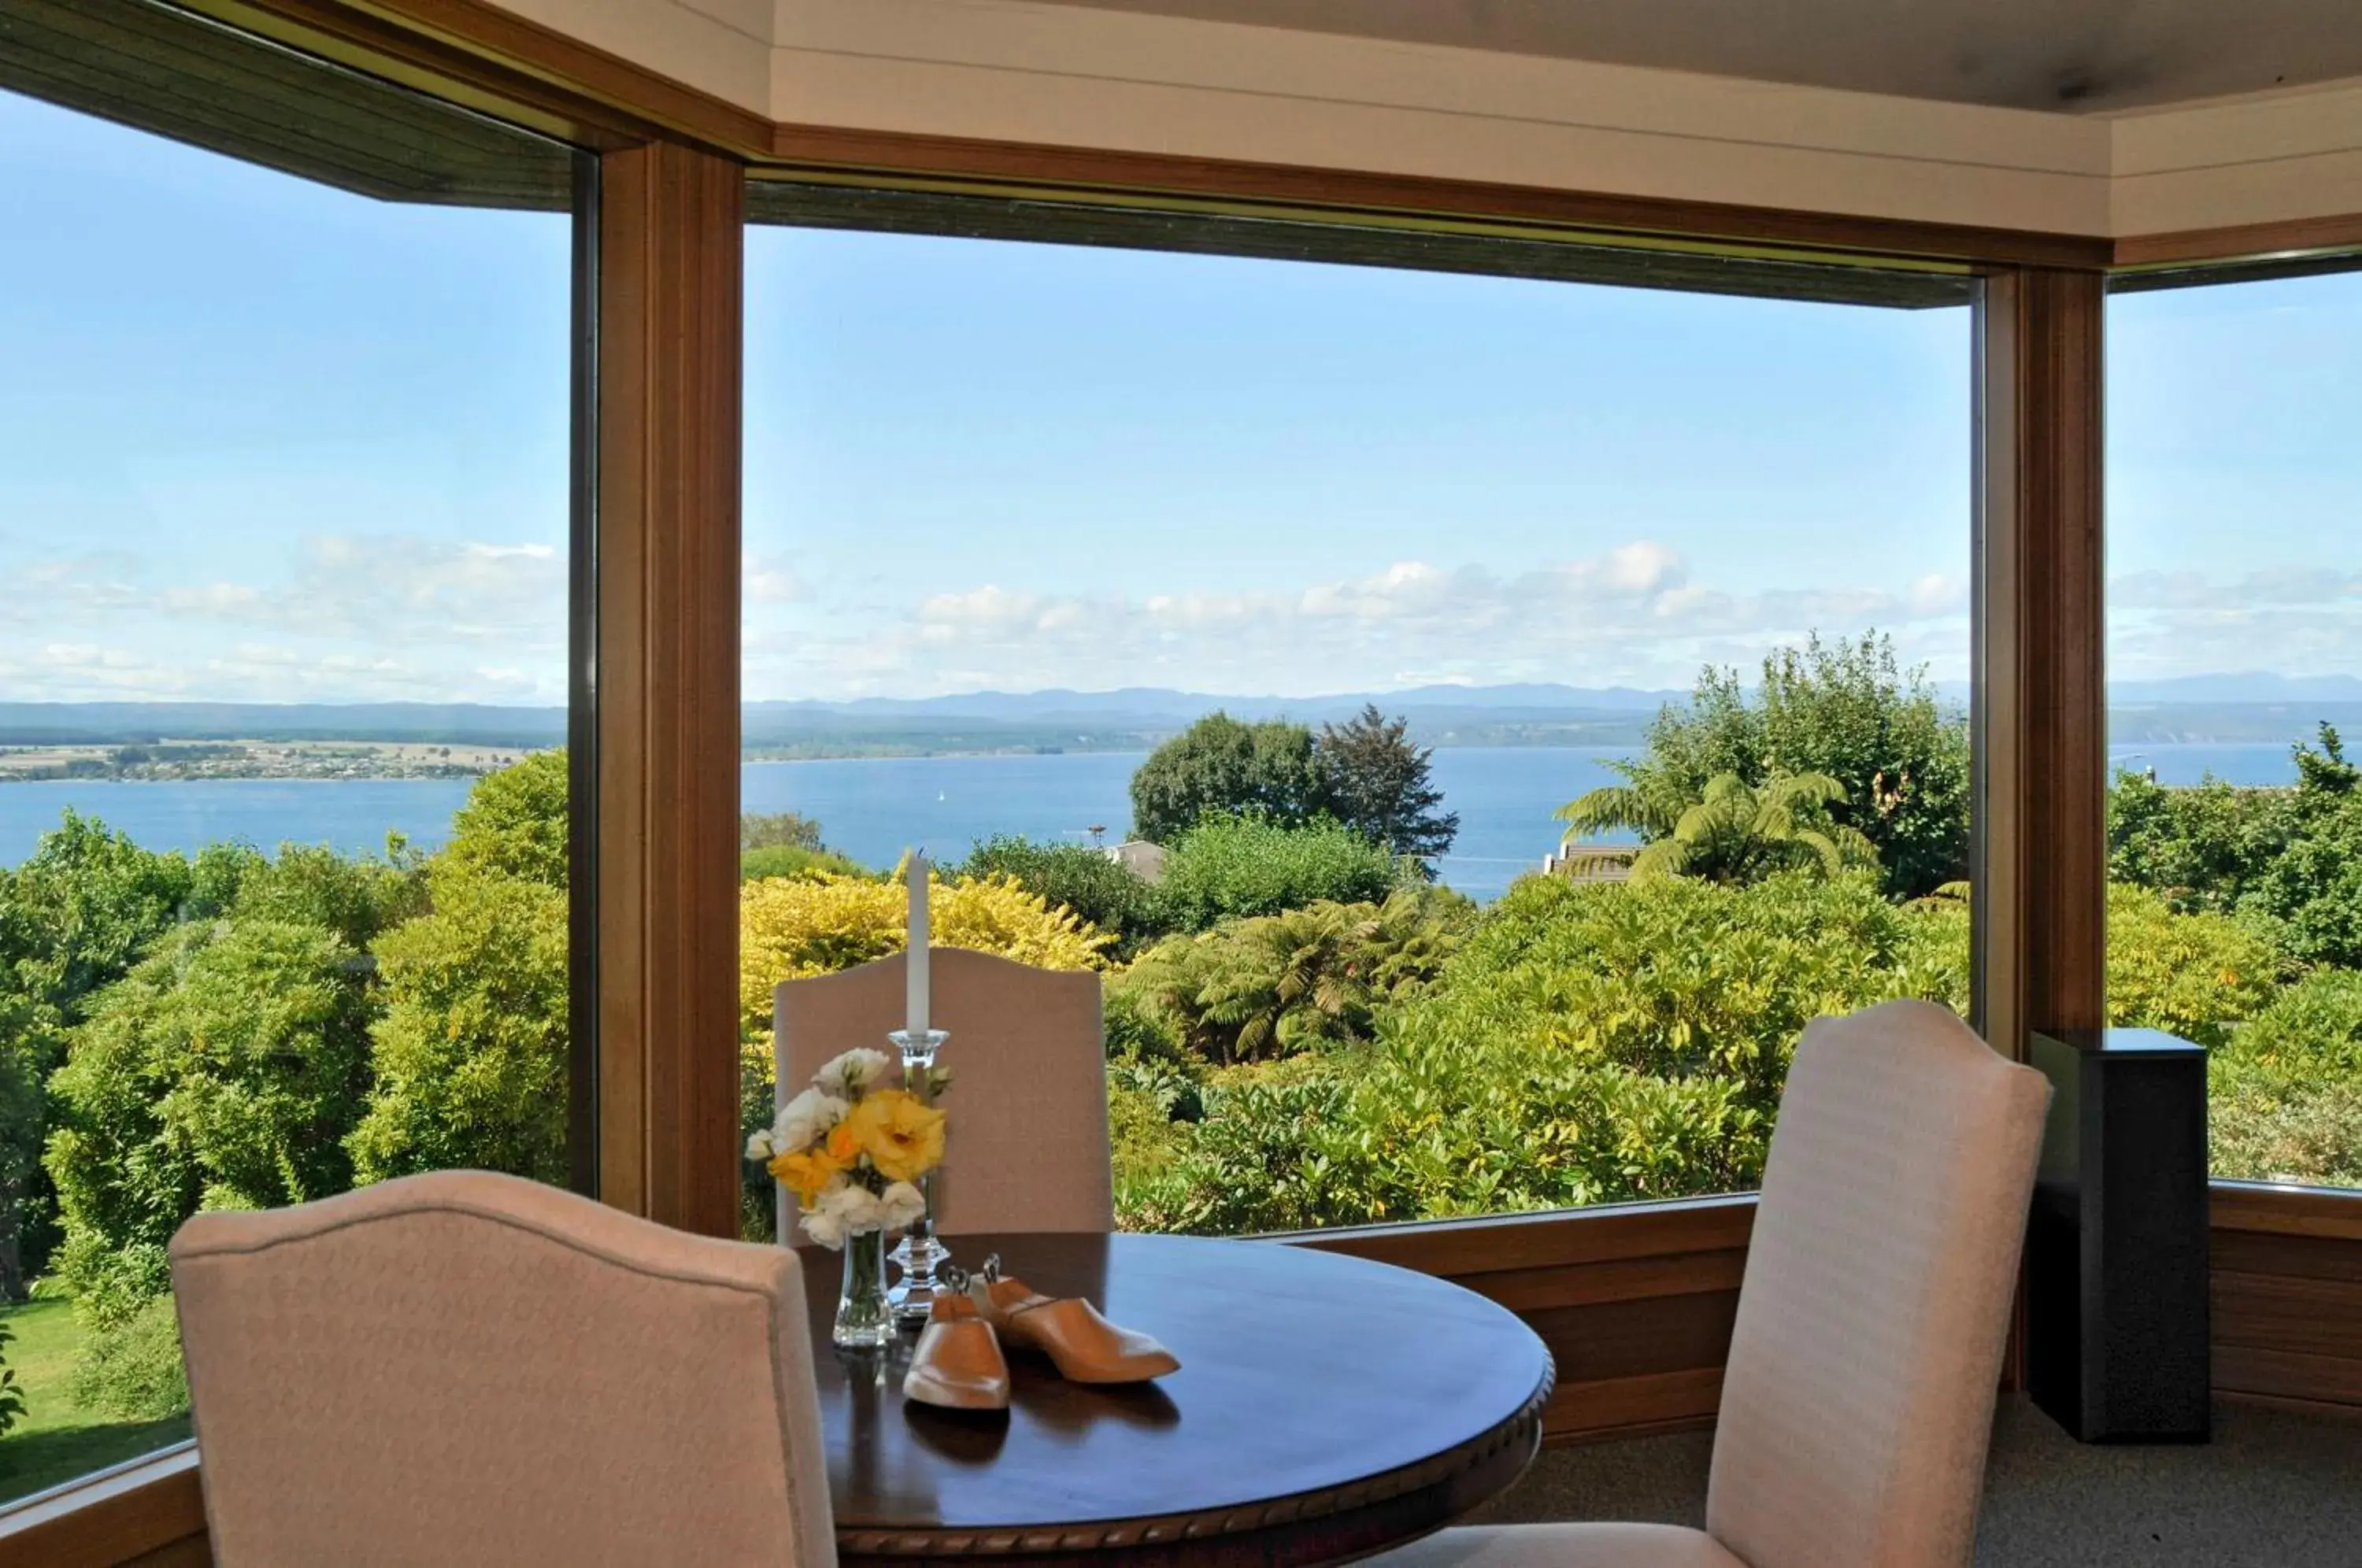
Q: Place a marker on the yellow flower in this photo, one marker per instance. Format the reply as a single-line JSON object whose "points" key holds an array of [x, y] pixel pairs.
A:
{"points": [[902, 1138], [807, 1171], [843, 1144]]}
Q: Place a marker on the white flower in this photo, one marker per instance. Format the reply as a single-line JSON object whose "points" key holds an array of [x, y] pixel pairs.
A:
{"points": [[806, 1119], [836, 1213], [822, 1227], [759, 1145], [846, 1208], [853, 1073], [901, 1204]]}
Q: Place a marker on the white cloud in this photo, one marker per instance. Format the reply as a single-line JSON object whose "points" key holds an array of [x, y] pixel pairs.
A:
{"points": [[1632, 614], [769, 581], [345, 617], [2296, 620]]}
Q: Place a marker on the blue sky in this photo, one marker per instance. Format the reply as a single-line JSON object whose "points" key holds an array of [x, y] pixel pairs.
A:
{"points": [[263, 440]]}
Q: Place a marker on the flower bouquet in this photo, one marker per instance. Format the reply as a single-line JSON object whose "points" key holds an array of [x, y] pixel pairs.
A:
{"points": [[852, 1152]]}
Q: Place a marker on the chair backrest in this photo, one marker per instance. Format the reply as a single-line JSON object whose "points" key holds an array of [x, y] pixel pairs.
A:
{"points": [[1026, 1139], [465, 1367], [1858, 1398]]}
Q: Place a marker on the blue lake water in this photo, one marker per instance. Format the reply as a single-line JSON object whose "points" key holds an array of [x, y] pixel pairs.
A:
{"points": [[874, 808]]}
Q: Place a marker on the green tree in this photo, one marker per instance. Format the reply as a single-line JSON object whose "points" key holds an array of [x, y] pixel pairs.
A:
{"points": [[1220, 767], [515, 821], [789, 830], [1733, 833], [2310, 894], [1376, 781], [222, 1072], [470, 1055], [1843, 709], [1225, 868], [73, 919], [2203, 848]]}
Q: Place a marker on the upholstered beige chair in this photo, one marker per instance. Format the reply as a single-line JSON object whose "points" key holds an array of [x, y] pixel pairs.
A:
{"points": [[1026, 1142], [466, 1367], [1859, 1397]]}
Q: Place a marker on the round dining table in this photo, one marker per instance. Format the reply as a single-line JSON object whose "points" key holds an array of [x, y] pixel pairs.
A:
{"points": [[1327, 1407]]}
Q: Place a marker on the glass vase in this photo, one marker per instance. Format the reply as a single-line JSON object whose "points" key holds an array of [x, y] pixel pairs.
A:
{"points": [[864, 1318]]}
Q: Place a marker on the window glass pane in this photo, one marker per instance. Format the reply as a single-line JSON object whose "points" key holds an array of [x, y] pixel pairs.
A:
{"points": [[2234, 668], [284, 657], [1266, 616]]}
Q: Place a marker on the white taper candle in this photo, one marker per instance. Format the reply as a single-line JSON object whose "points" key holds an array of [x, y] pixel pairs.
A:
{"points": [[915, 971]]}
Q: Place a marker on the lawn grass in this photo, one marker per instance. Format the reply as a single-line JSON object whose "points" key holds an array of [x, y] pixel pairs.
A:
{"points": [[57, 1439]]}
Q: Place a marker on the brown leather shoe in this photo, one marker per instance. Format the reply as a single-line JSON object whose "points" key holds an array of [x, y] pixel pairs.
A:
{"points": [[958, 1364], [1084, 1346]]}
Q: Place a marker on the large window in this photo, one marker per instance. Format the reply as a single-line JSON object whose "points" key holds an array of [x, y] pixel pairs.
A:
{"points": [[1261, 626], [2235, 654], [285, 531]]}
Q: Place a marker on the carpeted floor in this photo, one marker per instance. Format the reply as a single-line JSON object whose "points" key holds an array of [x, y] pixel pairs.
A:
{"points": [[2273, 1490]]}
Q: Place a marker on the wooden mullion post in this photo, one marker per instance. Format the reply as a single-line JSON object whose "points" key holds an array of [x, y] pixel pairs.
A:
{"points": [[2041, 721], [668, 390]]}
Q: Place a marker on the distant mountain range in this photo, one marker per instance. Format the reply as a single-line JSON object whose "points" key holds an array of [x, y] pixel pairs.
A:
{"points": [[2217, 708]]}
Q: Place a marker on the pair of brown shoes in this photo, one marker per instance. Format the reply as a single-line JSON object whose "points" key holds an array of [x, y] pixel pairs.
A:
{"points": [[958, 1364]]}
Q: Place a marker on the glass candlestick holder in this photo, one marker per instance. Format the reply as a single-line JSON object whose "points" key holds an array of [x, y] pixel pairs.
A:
{"points": [[918, 1254]]}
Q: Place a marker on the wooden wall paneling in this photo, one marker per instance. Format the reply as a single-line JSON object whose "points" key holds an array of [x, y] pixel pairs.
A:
{"points": [[669, 349], [1635, 1301], [151, 1509], [2286, 1295]]}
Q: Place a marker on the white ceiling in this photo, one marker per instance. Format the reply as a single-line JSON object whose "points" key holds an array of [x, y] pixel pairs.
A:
{"points": [[2071, 55]]}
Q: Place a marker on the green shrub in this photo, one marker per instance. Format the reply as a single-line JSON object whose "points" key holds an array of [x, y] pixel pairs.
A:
{"points": [[2202, 847], [2190, 975], [795, 860], [1273, 985], [1072, 877], [1133, 1027], [12, 1395], [131, 1369], [2285, 1093], [1227, 869], [2306, 1133], [1584, 1043]]}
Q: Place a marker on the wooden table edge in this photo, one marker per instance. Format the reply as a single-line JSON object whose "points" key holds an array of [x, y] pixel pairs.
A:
{"points": [[1392, 1508]]}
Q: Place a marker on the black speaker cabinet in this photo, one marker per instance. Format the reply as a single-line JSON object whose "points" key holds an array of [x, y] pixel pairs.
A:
{"points": [[2115, 1249]]}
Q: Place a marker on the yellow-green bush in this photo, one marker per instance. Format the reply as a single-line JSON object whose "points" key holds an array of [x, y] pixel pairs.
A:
{"points": [[790, 927], [1587, 1043]]}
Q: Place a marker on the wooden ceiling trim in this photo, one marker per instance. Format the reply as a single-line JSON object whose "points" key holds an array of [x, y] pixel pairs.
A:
{"points": [[480, 57], [1077, 173], [2293, 240], [491, 61], [487, 59]]}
